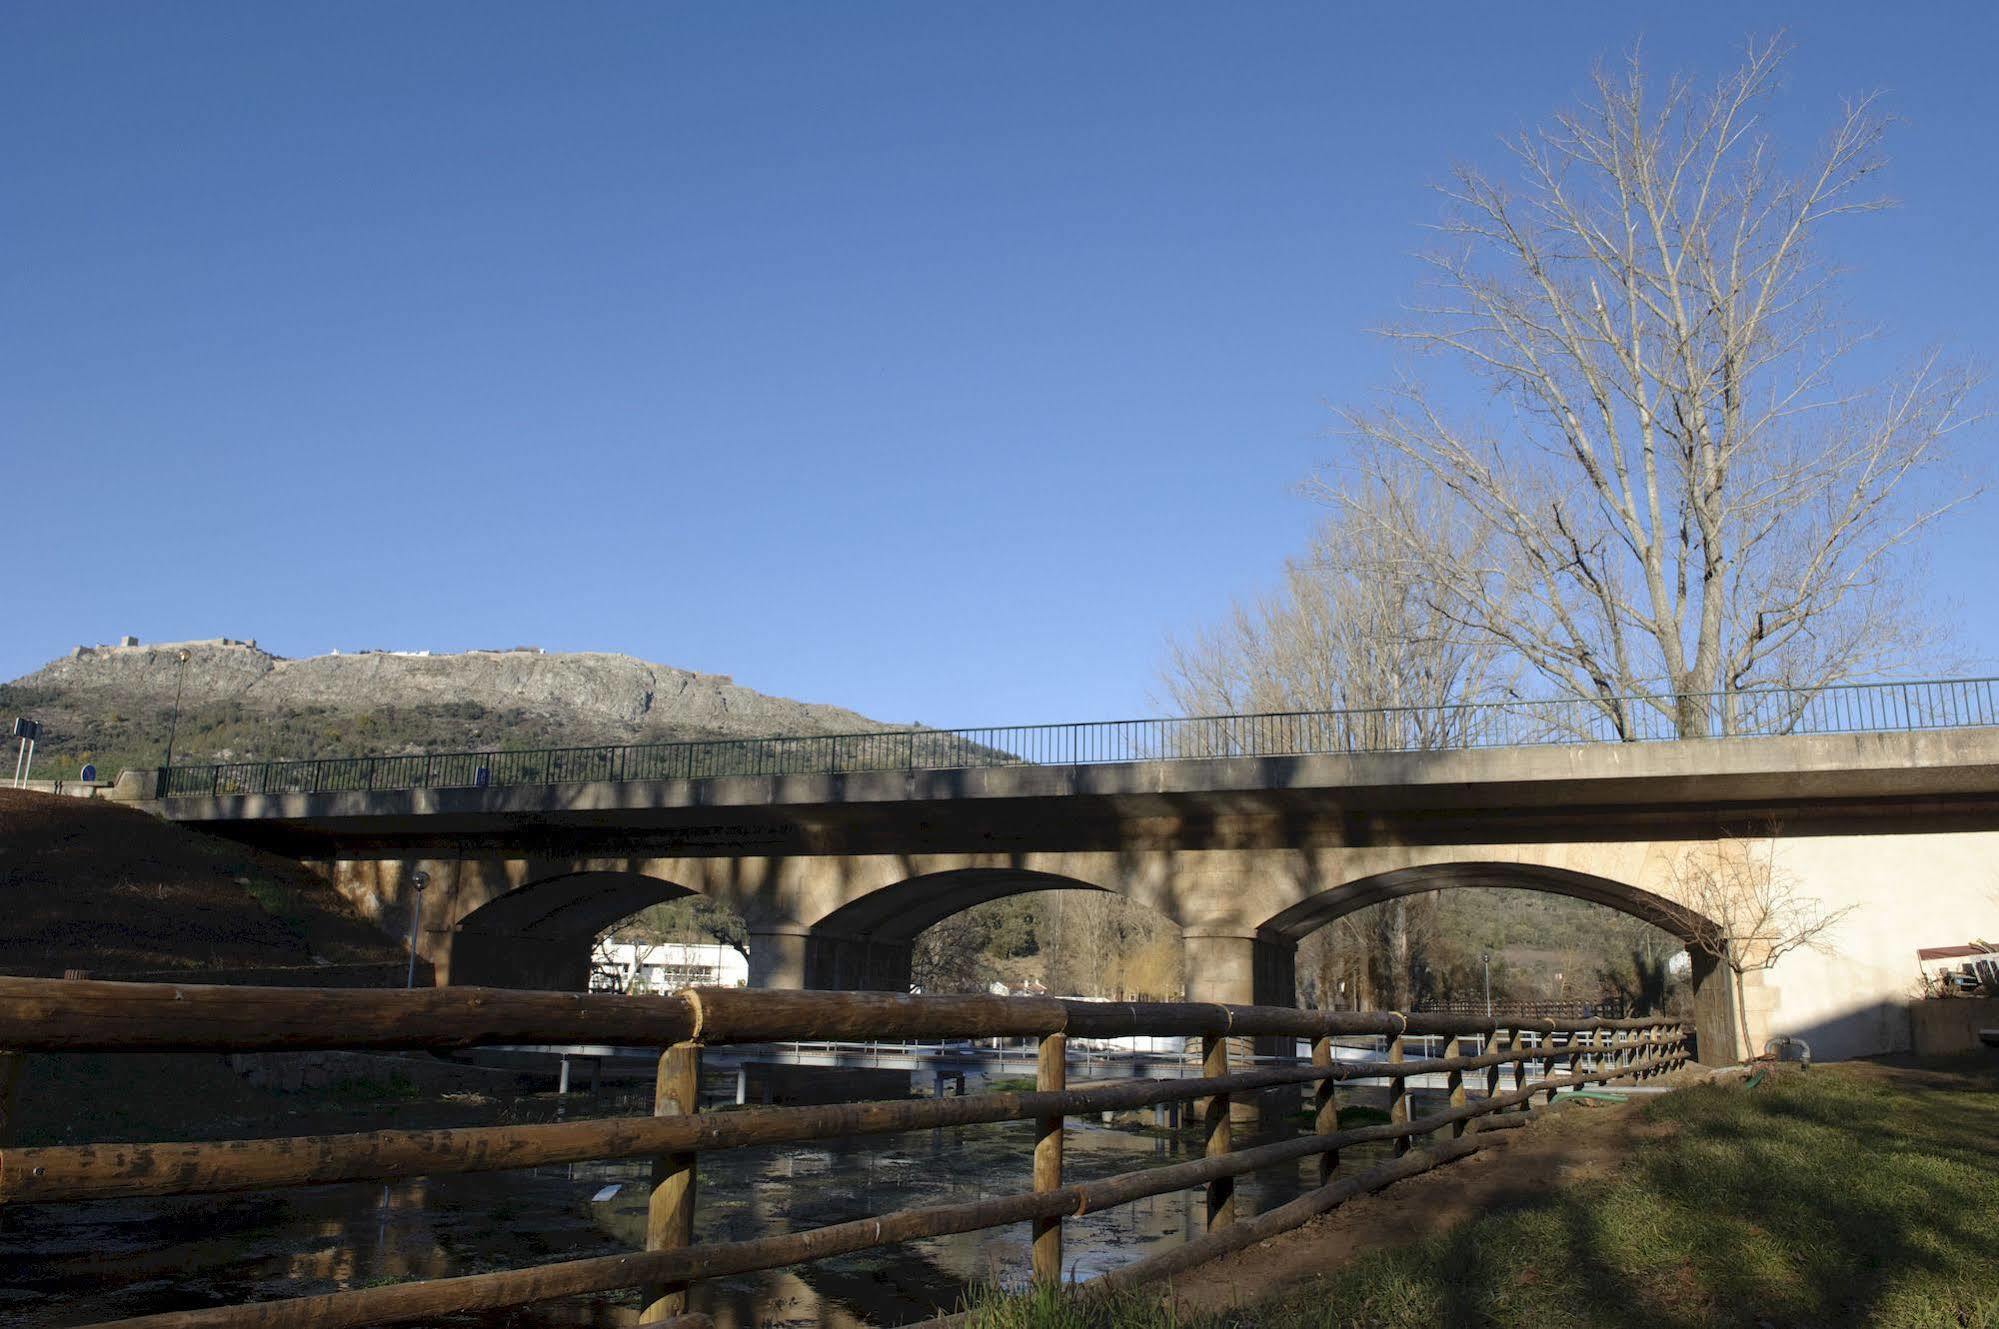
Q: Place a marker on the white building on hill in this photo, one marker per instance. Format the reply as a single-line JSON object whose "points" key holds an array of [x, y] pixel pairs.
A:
{"points": [[626, 966]]}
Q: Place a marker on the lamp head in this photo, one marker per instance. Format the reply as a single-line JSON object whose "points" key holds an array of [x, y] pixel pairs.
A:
{"points": [[419, 879]]}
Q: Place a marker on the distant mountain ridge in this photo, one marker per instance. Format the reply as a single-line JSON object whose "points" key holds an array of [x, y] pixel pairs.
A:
{"points": [[112, 703]]}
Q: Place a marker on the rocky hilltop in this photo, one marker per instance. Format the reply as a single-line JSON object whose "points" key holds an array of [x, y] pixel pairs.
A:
{"points": [[112, 703]]}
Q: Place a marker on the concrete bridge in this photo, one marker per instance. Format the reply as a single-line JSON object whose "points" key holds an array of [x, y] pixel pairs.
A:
{"points": [[836, 874]]}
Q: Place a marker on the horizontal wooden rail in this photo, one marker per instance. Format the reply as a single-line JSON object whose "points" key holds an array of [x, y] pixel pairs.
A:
{"points": [[40, 1015], [95, 1015], [107, 1171]]}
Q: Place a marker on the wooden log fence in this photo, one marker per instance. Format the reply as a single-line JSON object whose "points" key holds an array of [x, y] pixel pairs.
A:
{"points": [[61, 1015]]}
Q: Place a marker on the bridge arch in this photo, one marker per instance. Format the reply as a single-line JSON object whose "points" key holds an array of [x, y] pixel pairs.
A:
{"points": [[571, 904], [1315, 911], [905, 908], [867, 943], [1278, 936], [539, 934]]}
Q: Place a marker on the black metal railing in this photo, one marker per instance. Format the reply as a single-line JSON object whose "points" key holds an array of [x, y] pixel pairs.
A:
{"points": [[1761, 713]]}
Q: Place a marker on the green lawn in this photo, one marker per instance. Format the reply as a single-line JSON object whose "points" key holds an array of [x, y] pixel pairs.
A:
{"points": [[1848, 1195]]}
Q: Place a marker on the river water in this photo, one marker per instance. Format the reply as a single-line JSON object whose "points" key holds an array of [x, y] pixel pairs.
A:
{"points": [[76, 1264]]}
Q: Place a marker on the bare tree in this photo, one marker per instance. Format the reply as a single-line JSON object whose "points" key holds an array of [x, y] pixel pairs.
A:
{"points": [[688, 919], [1356, 629], [1103, 945], [1686, 488], [1748, 913], [1638, 964], [1335, 966], [952, 955]]}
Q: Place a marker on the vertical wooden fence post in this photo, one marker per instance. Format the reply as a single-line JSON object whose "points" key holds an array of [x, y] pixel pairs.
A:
{"points": [[13, 1068], [13, 1065], [1398, 1094], [1221, 1191], [1051, 1076], [1492, 1072], [1522, 1045], [1325, 1104], [670, 1216], [1548, 1063], [1455, 1083]]}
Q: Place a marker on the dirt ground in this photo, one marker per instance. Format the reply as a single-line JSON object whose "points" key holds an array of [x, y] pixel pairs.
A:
{"points": [[1578, 1141], [87, 884]]}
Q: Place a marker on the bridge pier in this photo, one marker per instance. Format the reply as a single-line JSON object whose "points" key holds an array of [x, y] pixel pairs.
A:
{"points": [[789, 956], [777, 957], [857, 964], [500, 960], [1239, 970]]}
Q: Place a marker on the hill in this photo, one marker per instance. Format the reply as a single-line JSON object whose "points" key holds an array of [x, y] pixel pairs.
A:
{"points": [[112, 704], [86, 884]]}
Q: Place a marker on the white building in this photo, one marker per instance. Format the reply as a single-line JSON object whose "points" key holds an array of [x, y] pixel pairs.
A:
{"points": [[626, 966]]}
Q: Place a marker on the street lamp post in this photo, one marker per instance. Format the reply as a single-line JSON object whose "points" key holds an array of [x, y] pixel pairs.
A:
{"points": [[173, 725], [1485, 963], [419, 880]]}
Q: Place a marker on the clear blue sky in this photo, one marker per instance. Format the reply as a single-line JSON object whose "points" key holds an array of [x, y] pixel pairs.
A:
{"points": [[935, 360]]}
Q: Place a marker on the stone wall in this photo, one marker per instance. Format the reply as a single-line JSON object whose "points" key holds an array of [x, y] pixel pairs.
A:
{"points": [[1949, 1025]]}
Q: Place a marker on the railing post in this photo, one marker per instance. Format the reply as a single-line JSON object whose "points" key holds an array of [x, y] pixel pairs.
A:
{"points": [[670, 1215], [1221, 1191], [1398, 1095], [1051, 1076], [1454, 1081], [1325, 1104], [1548, 1062]]}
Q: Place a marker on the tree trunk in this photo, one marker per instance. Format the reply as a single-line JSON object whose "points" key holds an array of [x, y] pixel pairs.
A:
{"points": [[1398, 954], [1741, 1008]]}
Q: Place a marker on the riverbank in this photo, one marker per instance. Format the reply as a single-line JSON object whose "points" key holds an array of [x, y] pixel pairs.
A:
{"points": [[90, 885], [1855, 1194]]}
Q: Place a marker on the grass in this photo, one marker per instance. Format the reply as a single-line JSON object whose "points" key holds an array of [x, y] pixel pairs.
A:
{"points": [[1351, 1118], [1849, 1195]]}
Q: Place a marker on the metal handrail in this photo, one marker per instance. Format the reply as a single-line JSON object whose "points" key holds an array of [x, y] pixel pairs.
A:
{"points": [[1653, 717]]}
